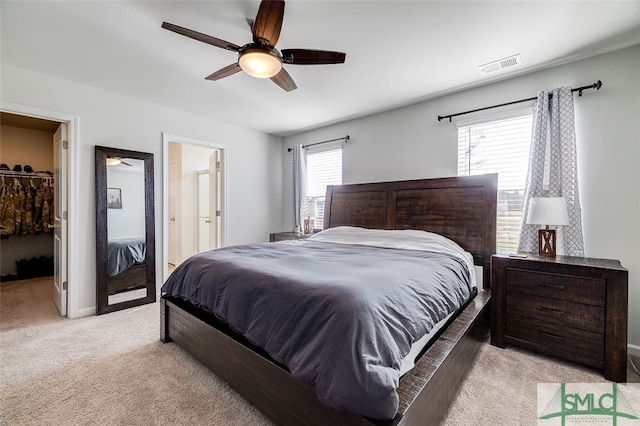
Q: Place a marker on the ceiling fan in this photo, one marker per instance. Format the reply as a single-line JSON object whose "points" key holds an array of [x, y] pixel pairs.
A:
{"points": [[260, 58]]}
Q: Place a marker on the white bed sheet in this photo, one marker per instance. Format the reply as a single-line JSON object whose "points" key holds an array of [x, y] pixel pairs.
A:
{"points": [[409, 361]]}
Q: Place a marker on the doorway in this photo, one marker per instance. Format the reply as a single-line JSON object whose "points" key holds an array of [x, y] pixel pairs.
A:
{"points": [[209, 223], [44, 219], [194, 218]]}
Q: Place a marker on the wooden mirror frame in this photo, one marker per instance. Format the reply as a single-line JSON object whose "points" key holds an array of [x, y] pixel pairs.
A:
{"points": [[102, 275]]}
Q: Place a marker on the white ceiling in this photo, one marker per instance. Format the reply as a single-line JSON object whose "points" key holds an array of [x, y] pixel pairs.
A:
{"points": [[398, 52]]}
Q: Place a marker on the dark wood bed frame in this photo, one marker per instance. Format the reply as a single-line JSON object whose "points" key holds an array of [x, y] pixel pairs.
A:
{"points": [[133, 278], [460, 208]]}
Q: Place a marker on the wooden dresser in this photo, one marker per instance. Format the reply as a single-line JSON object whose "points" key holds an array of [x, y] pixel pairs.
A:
{"points": [[569, 307]]}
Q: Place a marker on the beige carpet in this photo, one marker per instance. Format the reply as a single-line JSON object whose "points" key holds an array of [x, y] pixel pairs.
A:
{"points": [[113, 370]]}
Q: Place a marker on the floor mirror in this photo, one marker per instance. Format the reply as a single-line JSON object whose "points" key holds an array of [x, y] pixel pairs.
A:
{"points": [[125, 229]]}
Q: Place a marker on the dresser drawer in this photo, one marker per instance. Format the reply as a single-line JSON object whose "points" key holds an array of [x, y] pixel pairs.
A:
{"points": [[557, 339], [589, 291], [557, 311]]}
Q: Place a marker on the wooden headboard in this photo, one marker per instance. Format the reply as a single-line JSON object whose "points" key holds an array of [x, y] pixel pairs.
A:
{"points": [[463, 209]]}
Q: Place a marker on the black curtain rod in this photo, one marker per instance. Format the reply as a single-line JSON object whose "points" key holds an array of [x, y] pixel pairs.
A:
{"points": [[344, 138], [597, 85]]}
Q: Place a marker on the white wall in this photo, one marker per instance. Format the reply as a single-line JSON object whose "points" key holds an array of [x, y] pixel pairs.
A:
{"points": [[409, 143], [108, 119], [26, 147]]}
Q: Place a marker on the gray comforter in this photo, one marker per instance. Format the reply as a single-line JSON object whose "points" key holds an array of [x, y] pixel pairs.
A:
{"points": [[122, 254], [341, 317]]}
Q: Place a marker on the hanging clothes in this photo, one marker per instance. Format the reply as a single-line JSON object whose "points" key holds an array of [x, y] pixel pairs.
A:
{"points": [[7, 212], [26, 209], [47, 210]]}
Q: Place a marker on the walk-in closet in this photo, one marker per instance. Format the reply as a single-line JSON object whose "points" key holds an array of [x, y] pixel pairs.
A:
{"points": [[27, 197]]}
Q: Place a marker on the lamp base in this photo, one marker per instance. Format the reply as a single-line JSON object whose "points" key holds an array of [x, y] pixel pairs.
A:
{"points": [[308, 226], [547, 242]]}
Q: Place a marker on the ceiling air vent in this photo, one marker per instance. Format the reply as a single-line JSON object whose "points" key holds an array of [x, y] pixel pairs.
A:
{"points": [[501, 64]]}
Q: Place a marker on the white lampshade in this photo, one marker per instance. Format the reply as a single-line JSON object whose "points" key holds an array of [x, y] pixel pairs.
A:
{"points": [[309, 210], [548, 211]]}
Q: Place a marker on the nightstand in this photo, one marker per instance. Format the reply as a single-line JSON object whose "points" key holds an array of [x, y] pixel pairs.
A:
{"points": [[281, 236], [570, 307]]}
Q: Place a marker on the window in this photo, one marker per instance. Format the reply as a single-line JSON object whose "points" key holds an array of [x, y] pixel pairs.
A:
{"points": [[500, 147], [323, 168]]}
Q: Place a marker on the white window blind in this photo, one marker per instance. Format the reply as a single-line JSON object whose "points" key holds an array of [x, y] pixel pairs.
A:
{"points": [[501, 147], [323, 168]]}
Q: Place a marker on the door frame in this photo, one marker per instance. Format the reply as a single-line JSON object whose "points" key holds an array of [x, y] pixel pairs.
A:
{"points": [[72, 121], [224, 158]]}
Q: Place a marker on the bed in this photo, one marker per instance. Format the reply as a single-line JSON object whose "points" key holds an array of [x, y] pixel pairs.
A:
{"points": [[462, 209], [126, 264]]}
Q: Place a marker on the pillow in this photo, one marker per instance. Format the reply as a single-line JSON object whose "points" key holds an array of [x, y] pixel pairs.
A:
{"points": [[406, 239]]}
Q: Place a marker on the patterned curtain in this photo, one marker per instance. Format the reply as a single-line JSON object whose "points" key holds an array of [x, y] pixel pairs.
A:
{"points": [[299, 181], [553, 170]]}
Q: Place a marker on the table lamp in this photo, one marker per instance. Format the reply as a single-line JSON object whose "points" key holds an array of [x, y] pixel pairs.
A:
{"points": [[547, 211], [308, 211]]}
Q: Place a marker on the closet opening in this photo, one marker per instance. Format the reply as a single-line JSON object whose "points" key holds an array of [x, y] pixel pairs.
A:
{"points": [[33, 208]]}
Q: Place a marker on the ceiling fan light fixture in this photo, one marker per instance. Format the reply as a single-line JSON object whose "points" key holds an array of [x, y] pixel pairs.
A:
{"points": [[259, 62], [113, 161]]}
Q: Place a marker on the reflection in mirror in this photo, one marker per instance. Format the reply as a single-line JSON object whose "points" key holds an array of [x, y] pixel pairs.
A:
{"points": [[125, 268], [125, 229]]}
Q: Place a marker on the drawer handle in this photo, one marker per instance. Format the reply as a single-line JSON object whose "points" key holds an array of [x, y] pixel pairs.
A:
{"points": [[545, 309], [556, 286], [553, 336]]}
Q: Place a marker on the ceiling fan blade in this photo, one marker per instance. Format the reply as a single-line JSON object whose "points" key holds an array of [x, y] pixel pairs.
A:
{"points": [[201, 37], [312, 57], [224, 72], [284, 80], [125, 163], [266, 28]]}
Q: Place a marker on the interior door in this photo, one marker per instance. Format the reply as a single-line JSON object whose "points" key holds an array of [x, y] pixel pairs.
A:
{"points": [[215, 169], [60, 218], [204, 213], [172, 237]]}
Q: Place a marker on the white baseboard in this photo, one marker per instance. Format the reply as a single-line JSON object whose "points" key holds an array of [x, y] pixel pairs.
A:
{"points": [[86, 312], [633, 350]]}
